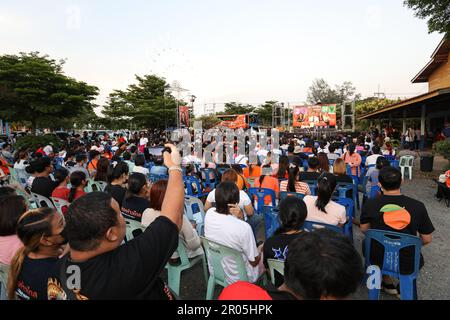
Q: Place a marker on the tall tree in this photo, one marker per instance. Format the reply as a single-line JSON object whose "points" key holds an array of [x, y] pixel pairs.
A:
{"points": [[436, 11], [237, 108], [34, 88], [321, 91], [148, 103], [264, 113]]}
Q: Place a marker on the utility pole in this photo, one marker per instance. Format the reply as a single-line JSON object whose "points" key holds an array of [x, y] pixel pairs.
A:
{"points": [[379, 94]]}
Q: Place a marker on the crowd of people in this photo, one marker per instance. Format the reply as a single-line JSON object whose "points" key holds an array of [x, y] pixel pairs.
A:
{"points": [[90, 233]]}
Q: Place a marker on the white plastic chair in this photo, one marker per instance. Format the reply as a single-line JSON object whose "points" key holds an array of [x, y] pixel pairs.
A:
{"points": [[42, 201], [407, 162], [60, 204], [275, 265]]}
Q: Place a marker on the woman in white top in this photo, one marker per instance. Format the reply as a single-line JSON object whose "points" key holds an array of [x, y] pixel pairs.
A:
{"points": [[321, 208], [188, 234], [20, 163], [224, 225]]}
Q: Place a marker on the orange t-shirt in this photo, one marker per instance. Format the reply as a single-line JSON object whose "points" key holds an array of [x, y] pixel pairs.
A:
{"points": [[256, 172], [268, 183]]}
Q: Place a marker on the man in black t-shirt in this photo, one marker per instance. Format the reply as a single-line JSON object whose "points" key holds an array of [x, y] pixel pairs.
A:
{"points": [[43, 184], [396, 213], [98, 267], [311, 174]]}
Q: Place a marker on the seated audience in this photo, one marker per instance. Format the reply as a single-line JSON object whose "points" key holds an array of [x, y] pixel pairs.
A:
{"points": [[188, 234], [96, 229], [268, 182], [101, 174], [292, 214], [244, 203], [292, 184], [312, 173], [42, 233], [118, 178], [12, 207], [395, 212], [136, 198], [42, 183], [224, 224], [139, 164], [321, 208], [320, 265]]}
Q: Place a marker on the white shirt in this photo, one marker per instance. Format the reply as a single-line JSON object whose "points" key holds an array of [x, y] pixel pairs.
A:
{"points": [[139, 169], [237, 234], [143, 141], [335, 215], [48, 150], [372, 159], [20, 165], [244, 199]]}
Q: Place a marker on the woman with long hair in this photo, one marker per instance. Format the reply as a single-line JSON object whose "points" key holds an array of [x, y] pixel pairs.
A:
{"points": [[293, 184], [292, 214], [188, 234], [117, 179], [78, 182], [324, 164], [102, 170], [283, 168], [136, 198], [321, 208], [61, 175], [42, 234]]}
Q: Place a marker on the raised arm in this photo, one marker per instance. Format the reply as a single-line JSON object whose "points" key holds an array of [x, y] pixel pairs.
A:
{"points": [[173, 204]]}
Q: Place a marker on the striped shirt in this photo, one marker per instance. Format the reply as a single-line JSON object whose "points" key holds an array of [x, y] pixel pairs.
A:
{"points": [[300, 187]]}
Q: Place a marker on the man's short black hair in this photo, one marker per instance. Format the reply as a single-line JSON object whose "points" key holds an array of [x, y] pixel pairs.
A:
{"points": [[291, 148], [313, 162], [322, 263], [80, 157], [88, 219], [390, 178], [376, 150], [140, 160]]}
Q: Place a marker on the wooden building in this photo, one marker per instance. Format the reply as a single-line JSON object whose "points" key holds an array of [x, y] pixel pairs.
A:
{"points": [[432, 108]]}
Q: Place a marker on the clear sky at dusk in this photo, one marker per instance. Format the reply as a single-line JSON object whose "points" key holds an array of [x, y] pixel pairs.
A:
{"points": [[248, 51]]}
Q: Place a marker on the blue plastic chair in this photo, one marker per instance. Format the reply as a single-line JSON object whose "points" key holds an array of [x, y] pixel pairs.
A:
{"points": [[305, 164], [349, 209], [312, 186], [375, 191], [341, 186], [195, 210], [271, 220], [222, 170], [260, 194], [389, 158], [331, 162], [156, 177], [393, 242], [310, 226], [206, 177], [189, 182], [284, 195], [395, 163]]}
